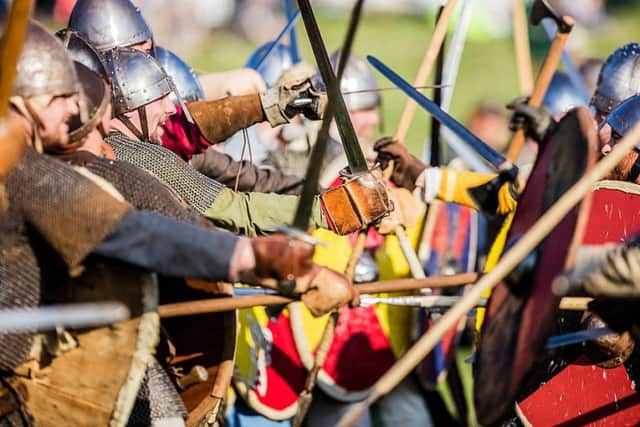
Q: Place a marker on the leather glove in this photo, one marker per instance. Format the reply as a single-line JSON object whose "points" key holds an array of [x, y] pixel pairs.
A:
{"points": [[360, 201], [405, 211], [537, 120], [280, 257], [328, 290], [282, 103], [13, 142], [406, 167]]}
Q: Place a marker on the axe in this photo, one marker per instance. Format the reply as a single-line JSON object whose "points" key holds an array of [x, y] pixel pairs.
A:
{"points": [[540, 11]]}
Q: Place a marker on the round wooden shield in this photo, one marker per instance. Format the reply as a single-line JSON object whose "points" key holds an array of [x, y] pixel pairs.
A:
{"points": [[521, 311], [583, 393]]}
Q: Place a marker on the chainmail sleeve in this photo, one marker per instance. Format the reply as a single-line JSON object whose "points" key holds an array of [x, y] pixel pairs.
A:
{"points": [[196, 189], [144, 191], [71, 212]]}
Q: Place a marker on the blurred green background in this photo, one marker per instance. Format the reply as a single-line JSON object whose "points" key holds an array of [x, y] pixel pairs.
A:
{"points": [[487, 70]]}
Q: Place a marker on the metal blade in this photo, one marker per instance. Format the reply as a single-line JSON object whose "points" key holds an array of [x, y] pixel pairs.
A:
{"points": [[494, 158], [577, 337], [287, 28], [355, 157], [293, 38], [47, 318], [310, 186]]}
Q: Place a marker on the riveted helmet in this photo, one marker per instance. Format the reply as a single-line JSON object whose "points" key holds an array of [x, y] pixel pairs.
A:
{"points": [[357, 77], [82, 51], [562, 95], [622, 119], [137, 79], [109, 23], [619, 78], [185, 79], [44, 66], [272, 67]]}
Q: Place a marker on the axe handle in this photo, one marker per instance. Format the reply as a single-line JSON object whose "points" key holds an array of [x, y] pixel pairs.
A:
{"points": [[509, 260], [428, 61], [549, 67], [523, 51]]}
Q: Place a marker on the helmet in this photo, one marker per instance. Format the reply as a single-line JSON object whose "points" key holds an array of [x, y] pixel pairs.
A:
{"points": [[561, 95], [109, 23], [357, 76], [183, 76], [96, 97], [80, 50], [624, 116], [136, 80], [44, 66], [619, 78], [272, 68]]}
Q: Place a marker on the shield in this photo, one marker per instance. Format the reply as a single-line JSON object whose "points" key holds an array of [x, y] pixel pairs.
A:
{"points": [[522, 309], [584, 393], [203, 342], [97, 381]]}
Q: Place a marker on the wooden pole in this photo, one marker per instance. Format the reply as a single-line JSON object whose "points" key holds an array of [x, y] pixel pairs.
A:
{"points": [[508, 262], [215, 305], [522, 48], [542, 83]]}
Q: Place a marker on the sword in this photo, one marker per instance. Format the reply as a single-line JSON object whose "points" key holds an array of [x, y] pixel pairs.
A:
{"points": [[46, 318], [337, 107], [578, 337], [293, 38], [494, 158], [287, 28]]}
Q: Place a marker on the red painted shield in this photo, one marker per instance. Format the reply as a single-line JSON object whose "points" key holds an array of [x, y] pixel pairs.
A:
{"points": [[583, 393], [521, 312]]}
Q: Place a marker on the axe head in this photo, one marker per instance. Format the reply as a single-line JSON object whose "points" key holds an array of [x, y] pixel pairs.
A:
{"points": [[541, 9]]}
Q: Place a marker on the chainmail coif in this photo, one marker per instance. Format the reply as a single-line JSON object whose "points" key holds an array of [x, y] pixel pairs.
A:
{"points": [[196, 189]]}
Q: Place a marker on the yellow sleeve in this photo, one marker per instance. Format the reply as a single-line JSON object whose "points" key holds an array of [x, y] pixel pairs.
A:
{"points": [[455, 186]]}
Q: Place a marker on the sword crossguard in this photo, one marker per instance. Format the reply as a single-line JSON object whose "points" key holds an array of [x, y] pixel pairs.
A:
{"points": [[298, 235]]}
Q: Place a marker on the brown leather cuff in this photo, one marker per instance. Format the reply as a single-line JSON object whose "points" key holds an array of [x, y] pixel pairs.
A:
{"points": [[360, 201], [218, 120]]}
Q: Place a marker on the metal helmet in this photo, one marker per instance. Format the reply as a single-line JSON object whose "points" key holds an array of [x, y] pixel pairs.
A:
{"points": [[357, 76], [624, 116], [183, 76], [82, 51], [109, 23], [44, 66], [619, 78], [272, 67], [96, 97], [562, 95], [137, 79]]}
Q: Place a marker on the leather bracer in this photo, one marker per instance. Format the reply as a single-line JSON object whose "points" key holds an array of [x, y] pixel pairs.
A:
{"points": [[361, 200]]}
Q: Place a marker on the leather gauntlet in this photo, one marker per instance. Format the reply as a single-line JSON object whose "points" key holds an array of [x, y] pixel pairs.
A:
{"points": [[361, 200], [327, 291]]}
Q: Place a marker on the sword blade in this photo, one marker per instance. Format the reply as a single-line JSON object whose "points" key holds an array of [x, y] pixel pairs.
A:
{"points": [[353, 152], [287, 28], [46, 318], [494, 158], [577, 337], [310, 185], [293, 37]]}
